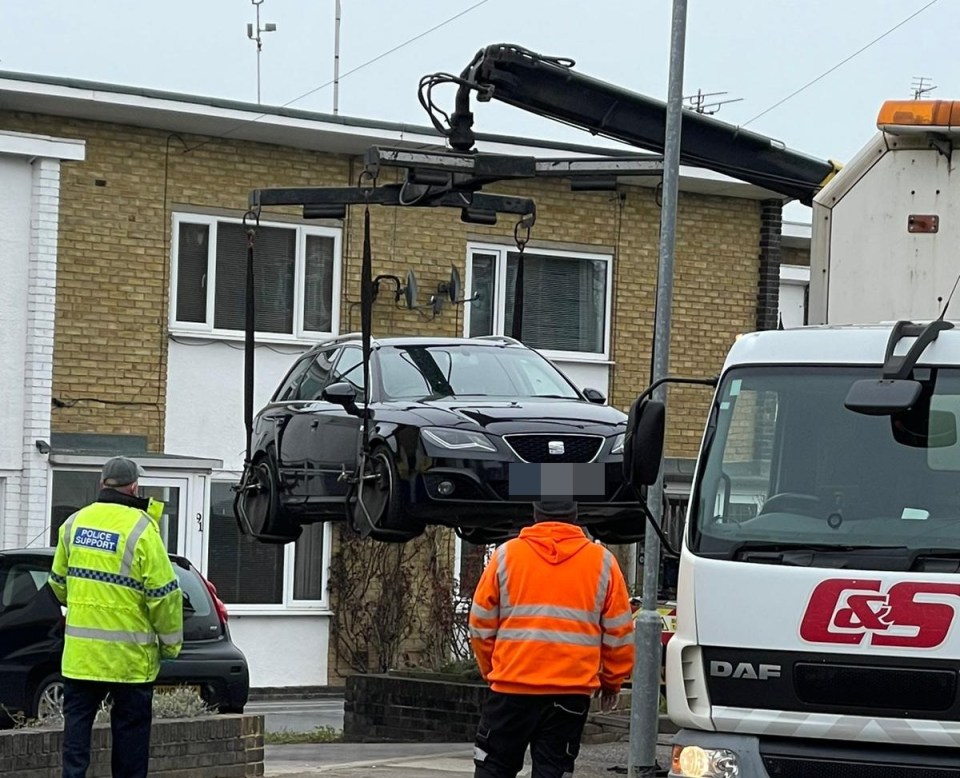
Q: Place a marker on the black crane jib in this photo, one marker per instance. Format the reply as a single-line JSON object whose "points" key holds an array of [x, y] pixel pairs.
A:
{"points": [[548, 86]]}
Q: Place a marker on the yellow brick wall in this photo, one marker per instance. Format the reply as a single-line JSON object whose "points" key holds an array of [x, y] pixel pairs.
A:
{"points": [[113, 274]]}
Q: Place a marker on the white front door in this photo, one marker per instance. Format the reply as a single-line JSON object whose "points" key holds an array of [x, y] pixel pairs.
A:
{"points": [[181, 526]]}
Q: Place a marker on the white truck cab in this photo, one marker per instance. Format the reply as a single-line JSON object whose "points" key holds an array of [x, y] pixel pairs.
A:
{"points": [[818, 607]]}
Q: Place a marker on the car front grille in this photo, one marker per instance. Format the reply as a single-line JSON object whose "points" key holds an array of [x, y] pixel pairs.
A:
{"points": [[548, 447], [793, 767]]}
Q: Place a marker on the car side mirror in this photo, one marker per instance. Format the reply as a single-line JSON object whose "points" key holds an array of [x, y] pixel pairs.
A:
{"points": [[343, 394], [643, 442], [594, 396]]}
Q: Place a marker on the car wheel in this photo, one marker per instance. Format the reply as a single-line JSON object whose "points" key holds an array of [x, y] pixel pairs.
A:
{"points": [[258, 503], [48, 698], [377, 513]]}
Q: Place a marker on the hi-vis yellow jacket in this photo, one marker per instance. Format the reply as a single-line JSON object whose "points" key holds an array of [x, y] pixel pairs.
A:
{"points": [[124, 605]]}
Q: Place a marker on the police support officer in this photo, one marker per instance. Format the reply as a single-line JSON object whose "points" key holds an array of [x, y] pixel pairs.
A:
{"points": [[124, 613], [551, 626]]}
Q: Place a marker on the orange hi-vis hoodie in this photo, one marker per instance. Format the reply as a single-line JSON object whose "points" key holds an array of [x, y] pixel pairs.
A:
{"points": [[551, 615]]}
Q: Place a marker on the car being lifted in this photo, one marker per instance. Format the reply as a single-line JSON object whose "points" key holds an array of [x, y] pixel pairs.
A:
{"points": [[463, 432]]}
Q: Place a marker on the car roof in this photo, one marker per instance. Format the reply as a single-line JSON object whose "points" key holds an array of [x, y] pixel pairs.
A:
{"points": [[49, 551], [487, 341]]}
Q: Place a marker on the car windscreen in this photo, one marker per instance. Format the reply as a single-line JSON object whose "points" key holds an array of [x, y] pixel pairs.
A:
{"points": [[789, 467], [200, 619], [466, 370]]}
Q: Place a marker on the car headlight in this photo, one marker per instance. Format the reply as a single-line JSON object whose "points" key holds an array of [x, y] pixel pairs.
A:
{"points": [[618, 444], [458, 440], [697, 762]]}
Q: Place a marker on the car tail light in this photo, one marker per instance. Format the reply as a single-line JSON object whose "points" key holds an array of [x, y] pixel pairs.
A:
{"points": [[218, 603]]}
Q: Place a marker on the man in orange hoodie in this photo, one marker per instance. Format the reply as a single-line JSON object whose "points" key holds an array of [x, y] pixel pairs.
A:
{"points": [[551, 626]]}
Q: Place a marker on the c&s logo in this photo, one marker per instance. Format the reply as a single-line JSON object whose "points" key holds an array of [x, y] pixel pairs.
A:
{"points": [[910, 614]]}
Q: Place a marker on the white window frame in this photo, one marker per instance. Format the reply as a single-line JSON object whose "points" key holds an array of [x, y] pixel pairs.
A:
{"points": [[287, 606], [500, 295], [207, 329]]}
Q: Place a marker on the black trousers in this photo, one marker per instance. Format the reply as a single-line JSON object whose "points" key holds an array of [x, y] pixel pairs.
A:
{"points": [[550, 724], [130, 719]]}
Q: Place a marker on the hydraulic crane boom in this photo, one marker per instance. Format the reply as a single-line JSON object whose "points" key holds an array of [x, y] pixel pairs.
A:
{"points": [[548, 86]]}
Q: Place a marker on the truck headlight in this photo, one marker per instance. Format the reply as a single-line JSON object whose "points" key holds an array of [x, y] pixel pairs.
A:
{"points": [[458, 440], [617, 444], [697, 762]]}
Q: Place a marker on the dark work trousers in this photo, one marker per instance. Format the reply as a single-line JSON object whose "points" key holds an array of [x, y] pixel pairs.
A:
{"points": [[551, 724], [130, 719]]}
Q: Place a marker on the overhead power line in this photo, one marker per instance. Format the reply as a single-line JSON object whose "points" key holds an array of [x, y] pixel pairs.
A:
{"points": [[841, 62]]}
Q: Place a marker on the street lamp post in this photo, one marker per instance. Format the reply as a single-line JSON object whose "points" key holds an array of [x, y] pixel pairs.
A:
{"points": [[253, 33]]}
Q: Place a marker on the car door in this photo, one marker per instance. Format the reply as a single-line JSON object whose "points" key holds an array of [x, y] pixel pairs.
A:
{"points": [[296, 442], [336, 433], [31, 626]]}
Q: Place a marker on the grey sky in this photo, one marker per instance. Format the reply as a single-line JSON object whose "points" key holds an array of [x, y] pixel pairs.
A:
{"points": [[759, 50]]}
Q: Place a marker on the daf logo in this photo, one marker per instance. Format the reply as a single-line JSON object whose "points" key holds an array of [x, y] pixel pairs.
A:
{"points": [[555, 448], [744, 670]]}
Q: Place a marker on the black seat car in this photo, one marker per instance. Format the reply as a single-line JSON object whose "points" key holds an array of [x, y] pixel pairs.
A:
{"points": [[31, 640], [459, 429]]}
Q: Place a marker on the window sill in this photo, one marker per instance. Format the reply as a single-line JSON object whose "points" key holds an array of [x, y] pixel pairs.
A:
{"points": [[260, 339], [586, 359], [235, 612]]}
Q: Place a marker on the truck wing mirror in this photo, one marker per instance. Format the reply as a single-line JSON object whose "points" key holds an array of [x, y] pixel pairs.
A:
{"points": [[643, 442], [882, 397]]}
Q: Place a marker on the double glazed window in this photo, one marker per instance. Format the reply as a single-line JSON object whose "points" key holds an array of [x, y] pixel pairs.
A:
{"points": [[566, 298], [296, 281], [247, 572]]}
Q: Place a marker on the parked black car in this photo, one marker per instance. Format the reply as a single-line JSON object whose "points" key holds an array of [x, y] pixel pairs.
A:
{"points": [[31, 640], [455, 425]]}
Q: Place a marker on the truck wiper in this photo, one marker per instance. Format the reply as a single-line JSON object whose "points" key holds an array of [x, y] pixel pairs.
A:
{"points": [[946, 560], [803, 554]]}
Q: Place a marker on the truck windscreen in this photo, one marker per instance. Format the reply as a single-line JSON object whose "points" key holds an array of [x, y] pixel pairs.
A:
{"points": [[790, 472]]}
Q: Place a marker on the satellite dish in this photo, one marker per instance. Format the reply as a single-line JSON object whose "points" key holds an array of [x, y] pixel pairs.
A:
{"points": [[410, 291], [454, 287]]}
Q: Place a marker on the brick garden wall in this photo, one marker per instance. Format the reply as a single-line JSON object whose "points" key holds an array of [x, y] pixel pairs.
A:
{"points": [[209, 747], [385, 708]]}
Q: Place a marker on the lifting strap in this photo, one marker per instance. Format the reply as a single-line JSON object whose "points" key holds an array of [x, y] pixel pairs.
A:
{"points": [[249, 327]]}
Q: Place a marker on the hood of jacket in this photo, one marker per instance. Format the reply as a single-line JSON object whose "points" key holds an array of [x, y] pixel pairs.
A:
{"points": [[554, 541]]}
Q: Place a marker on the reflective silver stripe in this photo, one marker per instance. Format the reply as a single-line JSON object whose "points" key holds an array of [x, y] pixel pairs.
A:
{"points": [[502, 577], [604, 583], [484, 613], [613, 641], [67, 529], [555, 612], [127, 564], [549, 636], [476, 632], [171, 638], [115, 636], [619, 621]]}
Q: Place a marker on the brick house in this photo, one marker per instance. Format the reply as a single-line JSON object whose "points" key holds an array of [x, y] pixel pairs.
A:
{"points": [[147, 351]]}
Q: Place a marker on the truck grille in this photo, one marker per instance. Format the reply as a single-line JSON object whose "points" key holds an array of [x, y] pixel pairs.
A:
{"points": [[897, 688], [536, 448], [794, 767]]}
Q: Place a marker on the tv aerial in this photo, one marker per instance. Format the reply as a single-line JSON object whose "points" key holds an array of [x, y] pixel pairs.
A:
{"points": [[700, 102], [921, 85]]}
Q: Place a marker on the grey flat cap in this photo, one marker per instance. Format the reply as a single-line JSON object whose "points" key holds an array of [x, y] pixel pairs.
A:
{"points": [[120, 471]]}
